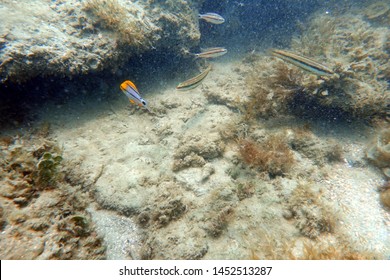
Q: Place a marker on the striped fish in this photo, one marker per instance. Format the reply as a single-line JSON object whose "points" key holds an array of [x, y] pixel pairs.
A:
{"points": [[211, 52], [212, 18], [303, 62], [195, 81], [131, 91]]}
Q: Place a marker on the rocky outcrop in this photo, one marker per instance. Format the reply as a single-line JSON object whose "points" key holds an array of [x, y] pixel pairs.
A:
{"points": [[67, 38]]}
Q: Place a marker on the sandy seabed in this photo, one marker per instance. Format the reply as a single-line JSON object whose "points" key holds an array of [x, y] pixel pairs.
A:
{"points": [[172, 184]]}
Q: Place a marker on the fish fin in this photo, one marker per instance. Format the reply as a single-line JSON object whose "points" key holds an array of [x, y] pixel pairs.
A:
{"points": [[205, 49], [128, 83], [131, 101], [270, 52]]}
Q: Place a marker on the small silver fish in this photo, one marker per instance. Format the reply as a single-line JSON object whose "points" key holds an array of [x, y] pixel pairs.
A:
{"points": [[211, 52], [195, 81], [212, 18], [131, 91], [303, 62]]}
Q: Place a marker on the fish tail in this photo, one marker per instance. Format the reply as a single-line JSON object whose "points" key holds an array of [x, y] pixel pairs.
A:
{"points": [[187, 52]]}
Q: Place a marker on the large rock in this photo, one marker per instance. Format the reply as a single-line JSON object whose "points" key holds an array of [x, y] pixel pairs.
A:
{"points": [[66, 38]]}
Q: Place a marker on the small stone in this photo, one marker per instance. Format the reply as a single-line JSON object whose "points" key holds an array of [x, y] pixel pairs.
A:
{"points": [[287, 214]]}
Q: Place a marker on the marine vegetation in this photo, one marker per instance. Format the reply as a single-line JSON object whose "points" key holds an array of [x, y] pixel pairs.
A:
{"points": [[378, 11], [379, 151], [194, 150], [323, 248], [163, 209], [273, 155], [305, 142], [337, 250], [43, 215], [219, 222], [110, 14], [356, 51], [47, 169], [385, 194], [312, 216], [271, 87]]}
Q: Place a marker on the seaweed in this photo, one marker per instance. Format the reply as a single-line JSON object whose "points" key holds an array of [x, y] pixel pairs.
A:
{"points": [[110, 14], [245, 190], [162, 212], [271, 90], [313, 217], [273, 155], [76, 225], [385, 194], [195, 150], [47, 169], [218, 223], [356, 52], [377, 11], [327, 251], [379, 151], [314, 148], [46, 214]]}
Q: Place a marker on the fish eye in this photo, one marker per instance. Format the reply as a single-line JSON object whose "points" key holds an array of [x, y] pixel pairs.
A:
{"points": [[144, 102]]}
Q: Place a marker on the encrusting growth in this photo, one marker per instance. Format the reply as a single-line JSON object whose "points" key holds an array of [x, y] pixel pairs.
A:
{"points": [[273, 156]]}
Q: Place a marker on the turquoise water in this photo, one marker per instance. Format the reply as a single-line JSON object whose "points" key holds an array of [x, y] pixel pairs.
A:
{"points": [[265, 156]]}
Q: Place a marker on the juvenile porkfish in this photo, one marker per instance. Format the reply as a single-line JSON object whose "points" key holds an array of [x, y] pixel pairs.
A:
{"points": [[304, 63], [211, 52], [131, 91], [212, 18], [195, 81]]}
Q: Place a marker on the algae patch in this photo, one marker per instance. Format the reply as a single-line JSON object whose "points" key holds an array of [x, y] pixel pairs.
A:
{"points": [[42, 215]]}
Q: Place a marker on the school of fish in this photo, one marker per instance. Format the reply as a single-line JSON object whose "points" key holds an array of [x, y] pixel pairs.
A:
{"points": [[305, 63], [132, 93]]}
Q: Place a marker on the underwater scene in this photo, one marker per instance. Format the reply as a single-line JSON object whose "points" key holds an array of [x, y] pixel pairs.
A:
{"points": [[195, 129]]}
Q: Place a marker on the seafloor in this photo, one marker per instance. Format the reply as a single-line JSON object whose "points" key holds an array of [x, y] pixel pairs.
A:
{"points": [[261, 161]]}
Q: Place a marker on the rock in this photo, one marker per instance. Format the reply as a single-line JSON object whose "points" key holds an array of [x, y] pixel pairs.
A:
{"points": [[71, 37]]}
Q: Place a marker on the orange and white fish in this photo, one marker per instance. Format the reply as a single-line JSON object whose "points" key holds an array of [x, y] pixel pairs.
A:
{"points": [[131, 91]]}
